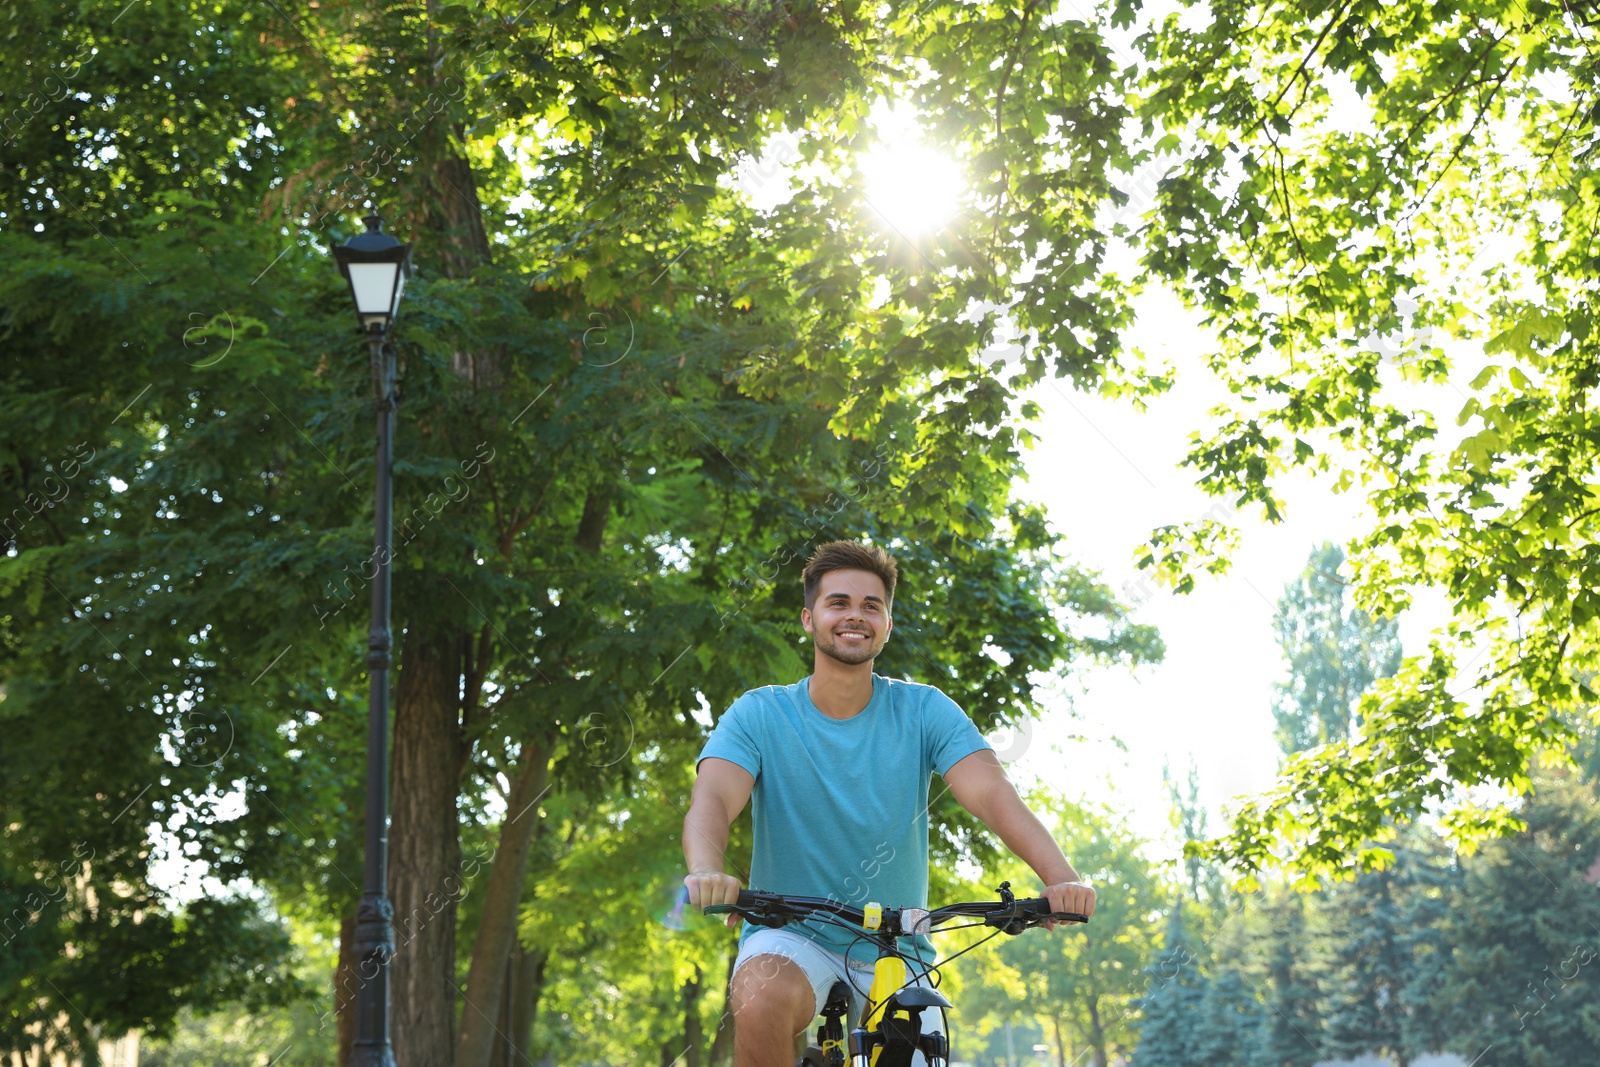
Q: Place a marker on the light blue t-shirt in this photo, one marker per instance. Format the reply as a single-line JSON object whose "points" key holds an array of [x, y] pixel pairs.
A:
{"points": [[840, 806]]}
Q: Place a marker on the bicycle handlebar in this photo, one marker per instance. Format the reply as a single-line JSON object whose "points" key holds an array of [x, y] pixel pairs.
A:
{"points": [[1008, 913]]}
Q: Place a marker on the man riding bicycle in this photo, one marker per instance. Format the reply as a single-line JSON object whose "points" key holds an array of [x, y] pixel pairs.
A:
{"points": [[838, 766]]}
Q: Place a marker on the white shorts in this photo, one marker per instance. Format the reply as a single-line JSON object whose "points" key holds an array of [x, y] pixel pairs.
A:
{"points": [[822, 968]]}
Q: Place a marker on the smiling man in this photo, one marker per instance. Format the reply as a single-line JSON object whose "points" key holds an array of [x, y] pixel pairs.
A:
{"points": [[838, 767]]}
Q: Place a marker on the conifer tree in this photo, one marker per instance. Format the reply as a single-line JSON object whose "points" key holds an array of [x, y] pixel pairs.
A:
{"points": [[1334, 654], [1432, 883], [1291, 1035], [1519, 986], [1228, 1027], [1172, 1002], [1369, 965]]}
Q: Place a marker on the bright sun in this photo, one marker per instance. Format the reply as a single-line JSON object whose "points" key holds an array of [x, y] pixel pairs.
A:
{"points": [[914, 188]]}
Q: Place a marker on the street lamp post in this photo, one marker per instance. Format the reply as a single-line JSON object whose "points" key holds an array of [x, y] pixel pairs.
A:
{"points": [[376, 266]]}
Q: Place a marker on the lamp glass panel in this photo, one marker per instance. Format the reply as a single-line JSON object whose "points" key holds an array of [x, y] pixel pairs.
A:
{"points": [[373, 285]]}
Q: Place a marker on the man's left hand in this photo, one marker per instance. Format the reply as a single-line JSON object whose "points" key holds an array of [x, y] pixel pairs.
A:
{"points": [[1069, 896]]}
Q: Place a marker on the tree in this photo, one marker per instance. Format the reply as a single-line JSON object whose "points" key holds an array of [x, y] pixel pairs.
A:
{"points": [[1291, 1034], [1523, 936], [1174, 1010], [1206, 881], [1369, 969], [1386, 946], [1229, 1021], [1342, 189], [1172, 1001], [1334, 655], [625, 978], [1432, 877], [628, 411], [1085, 982]]}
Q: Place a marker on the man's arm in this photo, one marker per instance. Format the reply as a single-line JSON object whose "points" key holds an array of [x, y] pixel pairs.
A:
{"points": [[979, 784], [721, 790]]}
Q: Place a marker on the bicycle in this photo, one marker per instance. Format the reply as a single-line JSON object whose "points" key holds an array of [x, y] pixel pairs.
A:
{"points": [[889, 1030]]}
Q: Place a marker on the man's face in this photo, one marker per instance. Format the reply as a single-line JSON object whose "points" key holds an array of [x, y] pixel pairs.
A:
{"points": [[850, 618]]}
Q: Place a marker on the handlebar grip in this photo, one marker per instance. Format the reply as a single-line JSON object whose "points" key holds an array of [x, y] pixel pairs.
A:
{"points": [[1039, 911]]}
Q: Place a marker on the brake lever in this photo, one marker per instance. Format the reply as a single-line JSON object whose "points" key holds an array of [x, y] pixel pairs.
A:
{"points": [[1014, 924]]}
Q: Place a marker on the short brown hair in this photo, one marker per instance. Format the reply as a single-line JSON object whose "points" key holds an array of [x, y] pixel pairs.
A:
{"points": [[849, 556]]}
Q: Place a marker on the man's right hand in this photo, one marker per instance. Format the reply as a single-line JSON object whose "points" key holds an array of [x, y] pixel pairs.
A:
{"points": [[713, 887]]}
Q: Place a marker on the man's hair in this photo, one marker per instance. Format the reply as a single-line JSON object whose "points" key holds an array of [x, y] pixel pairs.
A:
{"points": [[849, 556]]}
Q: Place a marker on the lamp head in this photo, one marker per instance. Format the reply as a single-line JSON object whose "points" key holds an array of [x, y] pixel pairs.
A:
{"points": [[376, 266]]}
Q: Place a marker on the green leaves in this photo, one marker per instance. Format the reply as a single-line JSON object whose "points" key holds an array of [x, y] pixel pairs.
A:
{"points": [[1333, 248], [631, 402], [1535, 325], [1174, 553]]}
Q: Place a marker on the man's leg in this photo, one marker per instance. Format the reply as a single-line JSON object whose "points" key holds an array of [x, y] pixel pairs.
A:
{"points": [[772, 1000]]}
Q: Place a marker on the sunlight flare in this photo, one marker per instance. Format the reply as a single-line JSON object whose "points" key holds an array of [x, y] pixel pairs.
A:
{"points": [[913, 187]]}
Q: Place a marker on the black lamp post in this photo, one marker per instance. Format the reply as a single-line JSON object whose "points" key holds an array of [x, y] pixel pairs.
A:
{"points": [[377, 266]]}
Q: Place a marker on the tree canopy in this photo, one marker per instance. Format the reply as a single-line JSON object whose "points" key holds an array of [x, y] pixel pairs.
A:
{"points": [[632, 400], [1367, 201], [630, 403]]}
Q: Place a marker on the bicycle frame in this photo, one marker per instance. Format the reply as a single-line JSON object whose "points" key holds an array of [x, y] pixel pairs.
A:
{"points": [[890, 1030], [888, 1033], [888, 975]]}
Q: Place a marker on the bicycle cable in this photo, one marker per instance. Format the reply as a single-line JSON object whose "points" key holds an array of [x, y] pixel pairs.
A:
{"points": [[929, 971], [933, 973], [937, 969], [849, 977], [858, 936]]}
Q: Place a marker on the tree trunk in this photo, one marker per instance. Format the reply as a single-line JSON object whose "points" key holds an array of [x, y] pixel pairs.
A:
{"points": [[448, 198], [522, 1005], [721, 1054], [425, 851], [497, 933], [693, 1035], [500, 1044], [530, 983], [1061, 1046], [1097, 1036], [345, 984]]}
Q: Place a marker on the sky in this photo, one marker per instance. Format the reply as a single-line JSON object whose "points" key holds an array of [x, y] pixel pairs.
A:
{"points": [[1107, 475]]}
